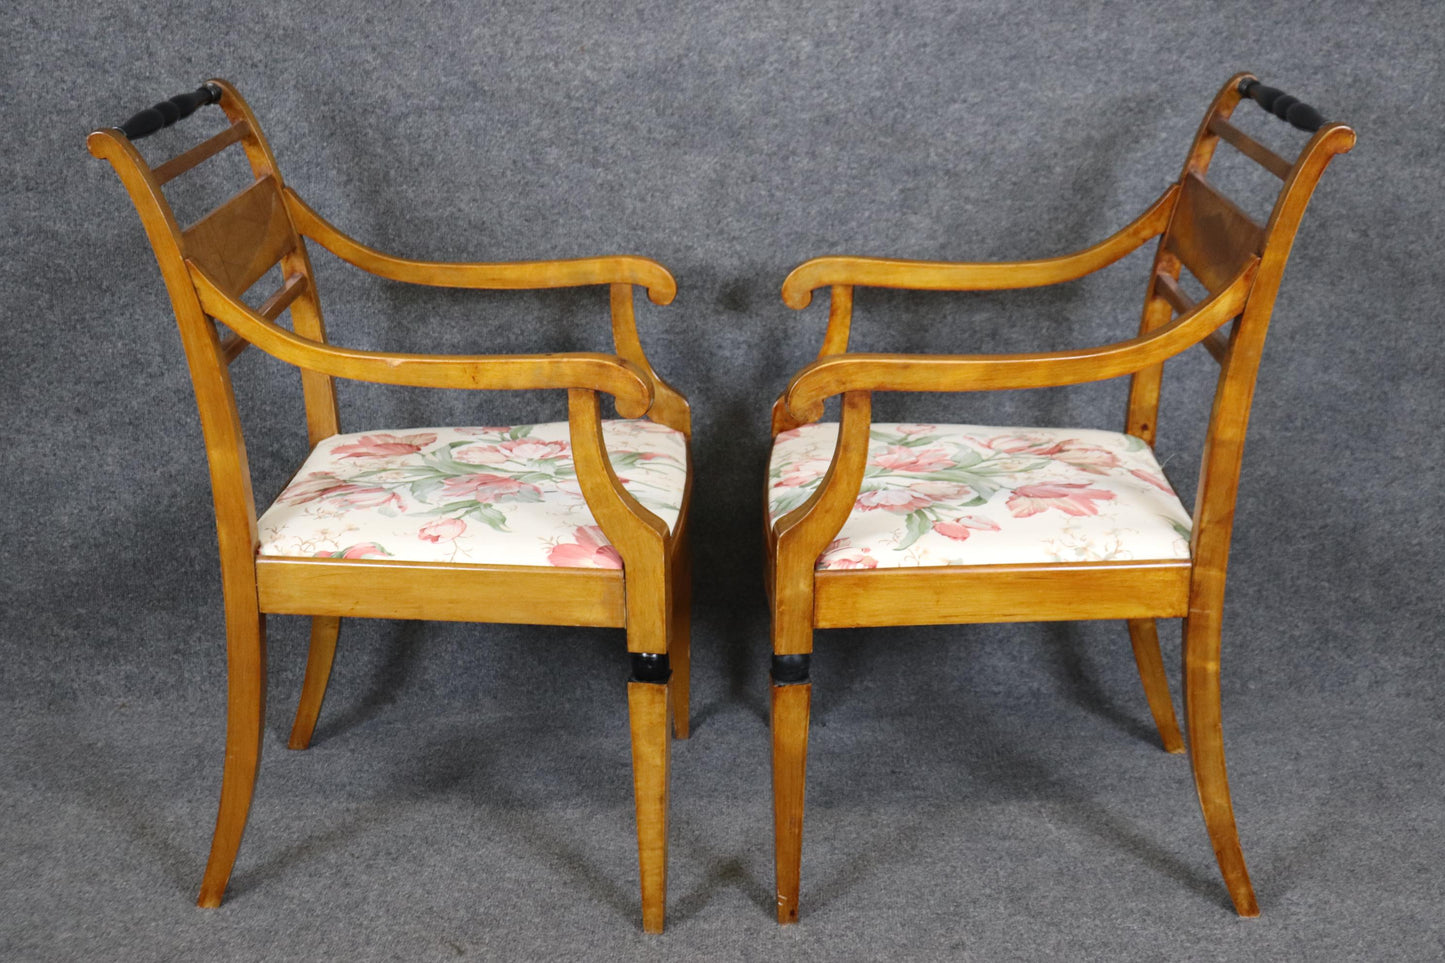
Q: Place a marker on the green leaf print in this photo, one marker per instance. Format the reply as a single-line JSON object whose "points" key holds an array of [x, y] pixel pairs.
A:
{"points": [[918, 525], [489, 515]]}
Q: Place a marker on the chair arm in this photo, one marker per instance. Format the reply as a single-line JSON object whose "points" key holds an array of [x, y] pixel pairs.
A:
{"points": [[837, 374], [506, 275], [596, 372], [822, 272]]}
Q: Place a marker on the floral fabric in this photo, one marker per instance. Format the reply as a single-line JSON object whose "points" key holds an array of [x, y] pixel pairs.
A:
{"points": [[974, 495], [484, 496]]}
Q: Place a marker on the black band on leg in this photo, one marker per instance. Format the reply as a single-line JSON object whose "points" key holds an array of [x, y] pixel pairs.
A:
{"points": [[791, 669], [650, 667]]}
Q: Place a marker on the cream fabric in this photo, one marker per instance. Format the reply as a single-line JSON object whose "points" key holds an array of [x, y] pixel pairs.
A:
{"points": [[977, 495], [493, 495]]}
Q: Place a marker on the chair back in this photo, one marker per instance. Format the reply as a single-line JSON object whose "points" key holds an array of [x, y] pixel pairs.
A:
{"points": [[236, 244], [1214, 239]]}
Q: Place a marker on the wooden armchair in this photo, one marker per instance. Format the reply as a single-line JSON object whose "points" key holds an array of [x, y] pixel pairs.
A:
{"points": [[892, 524], [527, 523]]}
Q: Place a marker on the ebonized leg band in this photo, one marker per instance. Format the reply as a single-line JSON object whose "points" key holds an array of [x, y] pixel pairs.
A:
{"points": [[791, 669], [650, 667]]}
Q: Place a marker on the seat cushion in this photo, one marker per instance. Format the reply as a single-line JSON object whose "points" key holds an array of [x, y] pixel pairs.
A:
{"points": [[482, 496], [975, 495]]}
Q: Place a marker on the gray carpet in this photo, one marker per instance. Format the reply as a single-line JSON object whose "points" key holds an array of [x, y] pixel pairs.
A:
{"points": [[975, 793]]}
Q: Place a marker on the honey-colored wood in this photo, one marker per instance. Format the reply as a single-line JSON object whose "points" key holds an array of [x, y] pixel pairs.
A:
{"points": [[1250, 147], [840, 320], [1240, 263], [379, 588], [839, 374], [242, 239], [317, 389], [799, 537], [1144, 637], [319, 656], [1217, 345], [791, 706], [1211, 235], [679, 640], [203, 151], [245, 726], [206, 269], [1000, 593], [516, 372], [836, 271], [511, 276], [233, 346], [669, 407], [1167, 287], [649, 711], [1142, 417]]}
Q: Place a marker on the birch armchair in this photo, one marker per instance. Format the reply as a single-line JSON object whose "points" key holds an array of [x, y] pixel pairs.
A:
{"points": [[872, 524], [580, 522]]}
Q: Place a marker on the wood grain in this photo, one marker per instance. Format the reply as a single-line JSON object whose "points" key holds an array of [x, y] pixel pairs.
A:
{"points": [[445, 592], [1001, 593]]}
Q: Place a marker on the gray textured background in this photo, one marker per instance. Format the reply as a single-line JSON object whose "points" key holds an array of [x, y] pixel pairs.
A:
{"points": [[975, 793]]}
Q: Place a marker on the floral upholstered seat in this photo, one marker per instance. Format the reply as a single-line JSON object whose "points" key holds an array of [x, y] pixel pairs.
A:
{"points": [[486, 496], [975, 495]]}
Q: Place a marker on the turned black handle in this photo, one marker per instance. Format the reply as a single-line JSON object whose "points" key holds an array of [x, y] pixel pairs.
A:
{"points": [[1292, 110], [167, 112]]}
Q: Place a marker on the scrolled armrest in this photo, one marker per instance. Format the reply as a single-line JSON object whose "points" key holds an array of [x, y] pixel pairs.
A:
{"points": [[837, 374], [616, 376], [502, 275], [832, 270]]}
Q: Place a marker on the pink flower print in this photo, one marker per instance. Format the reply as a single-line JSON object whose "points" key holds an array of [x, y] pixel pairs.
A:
{"points": [[900, 500], [364, 550], [317, 484], [911, 430], [480, 455], [487, 488], [1158, 481], [443, 529], [384, 446], [960, 528], [839, 554], [527, 449], [1019, 445], [917, 495], [362, 496], [801, 473], [788, 435], [942, 491], [590, 550], [853, 561], [320, 485], [1069, 498], [1095, 461], [899, 458]]}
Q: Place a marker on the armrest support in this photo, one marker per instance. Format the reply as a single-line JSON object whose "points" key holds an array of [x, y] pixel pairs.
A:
{"points": [[508, 275], [594, 372], [833, 270], [837, 374]]}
